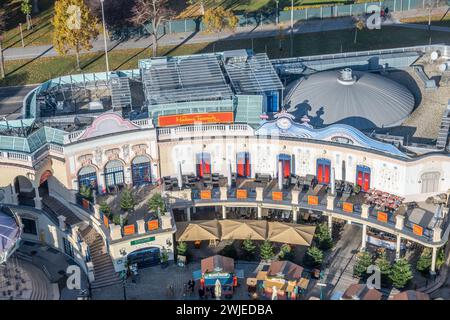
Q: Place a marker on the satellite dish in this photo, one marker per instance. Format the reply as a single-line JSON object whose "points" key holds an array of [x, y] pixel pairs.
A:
{"points": [[434, 55]]}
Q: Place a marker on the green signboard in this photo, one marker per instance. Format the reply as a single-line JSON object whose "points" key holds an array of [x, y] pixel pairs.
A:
{"points": [[143, 240]]}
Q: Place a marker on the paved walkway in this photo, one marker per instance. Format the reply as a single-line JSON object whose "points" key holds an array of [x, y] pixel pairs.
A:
{"points": [[178, 39], [152, 284]]}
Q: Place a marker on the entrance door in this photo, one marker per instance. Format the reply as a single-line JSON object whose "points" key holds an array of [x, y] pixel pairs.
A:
{"points": [[87, 176], [285, 160], [114, 173], [243, 164], [363, 177], [323, 171], [141, 170], [146, 257], [203, 164]]}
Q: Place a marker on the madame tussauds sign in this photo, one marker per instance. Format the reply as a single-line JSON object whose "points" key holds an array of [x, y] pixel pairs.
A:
{"points": [[187, 119]]}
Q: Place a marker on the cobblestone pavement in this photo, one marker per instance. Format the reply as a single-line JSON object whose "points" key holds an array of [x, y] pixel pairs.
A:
{"points": [[152, 284]]}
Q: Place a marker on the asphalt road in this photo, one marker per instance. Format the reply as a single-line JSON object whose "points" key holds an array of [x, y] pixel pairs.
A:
{"points": [[11, 99]]}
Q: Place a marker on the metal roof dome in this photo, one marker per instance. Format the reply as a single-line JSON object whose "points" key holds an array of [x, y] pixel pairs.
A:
{"points": [[361, 99]]}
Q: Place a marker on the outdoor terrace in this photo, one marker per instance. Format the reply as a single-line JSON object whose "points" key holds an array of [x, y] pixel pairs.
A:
{"points": [[304, 193]]}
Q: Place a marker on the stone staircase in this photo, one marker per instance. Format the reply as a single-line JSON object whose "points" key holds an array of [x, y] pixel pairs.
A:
{"points": [[40, 285], [56, 208], [104, 272]]}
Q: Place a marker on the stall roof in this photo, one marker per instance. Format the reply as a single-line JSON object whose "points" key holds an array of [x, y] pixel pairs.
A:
{"points": [[285, 269], [411, 295], [361, 292], [217, 263], [291, 233]]}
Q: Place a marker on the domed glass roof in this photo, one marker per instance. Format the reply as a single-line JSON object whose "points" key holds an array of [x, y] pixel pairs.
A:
{"points": [[361, 99], [9, 232]]}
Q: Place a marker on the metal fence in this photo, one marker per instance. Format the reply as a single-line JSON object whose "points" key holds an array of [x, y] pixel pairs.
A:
{"points": [[269, 17]]}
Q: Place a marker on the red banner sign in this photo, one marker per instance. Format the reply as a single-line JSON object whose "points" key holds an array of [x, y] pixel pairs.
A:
{"points": [[313, 200], [152, 225], [186, 119], [241, 194], [205, 194], [277, 195], [382, 216], [418, 230], [127, 230], [347, 207]]}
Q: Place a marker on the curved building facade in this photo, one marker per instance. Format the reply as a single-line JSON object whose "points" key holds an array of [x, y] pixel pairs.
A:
{"points": [[200, 156]]}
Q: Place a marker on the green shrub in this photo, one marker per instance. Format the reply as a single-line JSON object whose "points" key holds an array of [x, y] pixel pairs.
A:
{"points": [[401, 273], [364, 260], [266, 250]]}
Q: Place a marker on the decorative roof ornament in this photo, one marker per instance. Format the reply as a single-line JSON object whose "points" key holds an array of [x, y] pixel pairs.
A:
{"points": [[283, 114], [305, 121]]}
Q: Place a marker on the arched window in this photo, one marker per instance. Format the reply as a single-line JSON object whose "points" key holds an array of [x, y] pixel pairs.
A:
{"points": [[285, 160], [430, 182], [323, 171], [203, 163], [243, 164], [114, 173], [87, 176], [363, 177], [141, 170]]}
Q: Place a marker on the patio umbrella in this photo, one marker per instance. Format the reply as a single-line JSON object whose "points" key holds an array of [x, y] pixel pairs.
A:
{"points": [[243, 229], [180, 177], [197, 230], [274, 293], [218, 289], [229, 174], [291, 233]]}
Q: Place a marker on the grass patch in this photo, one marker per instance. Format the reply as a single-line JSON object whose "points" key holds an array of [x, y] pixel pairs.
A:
{"points": [[436, 20], [21, 72], [42, 30]]}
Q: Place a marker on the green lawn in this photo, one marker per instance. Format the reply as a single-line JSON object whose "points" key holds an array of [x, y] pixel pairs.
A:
{"points": [[36, 71], [40, 34]]}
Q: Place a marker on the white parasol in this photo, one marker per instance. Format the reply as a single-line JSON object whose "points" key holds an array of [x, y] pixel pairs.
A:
{"points": [[274, 293], [218, 289]]}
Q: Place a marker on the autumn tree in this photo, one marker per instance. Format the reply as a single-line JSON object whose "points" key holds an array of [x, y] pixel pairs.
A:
{"points": [[218, 19], [26, 9], [154, 12], [74, 27], [2, 30], [359, 25]]}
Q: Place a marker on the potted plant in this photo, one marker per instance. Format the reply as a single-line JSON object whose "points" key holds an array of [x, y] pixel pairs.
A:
{"points": [[181, 253], [156, 204], [164, 256]]}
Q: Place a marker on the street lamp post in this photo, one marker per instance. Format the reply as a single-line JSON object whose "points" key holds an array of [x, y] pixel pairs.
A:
{"points": [[104, 39], [277, 13], [292, 28]]}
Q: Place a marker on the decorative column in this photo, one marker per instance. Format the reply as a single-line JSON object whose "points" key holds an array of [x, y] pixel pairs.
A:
{"points": [[188, 214], [398, 247], [333, 182], [399, 222], [330, 223], [364, 237], [294, 214], [433, 261], [330, 202], [295, 194], [37, 198], [224, 212], [14, 196], [365, 211], [259, 213], [229, 180], [259, 194], [223, 194], [280, 175]]}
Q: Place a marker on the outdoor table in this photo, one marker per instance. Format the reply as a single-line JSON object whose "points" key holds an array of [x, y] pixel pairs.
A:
{"points": [[252, 282]]}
